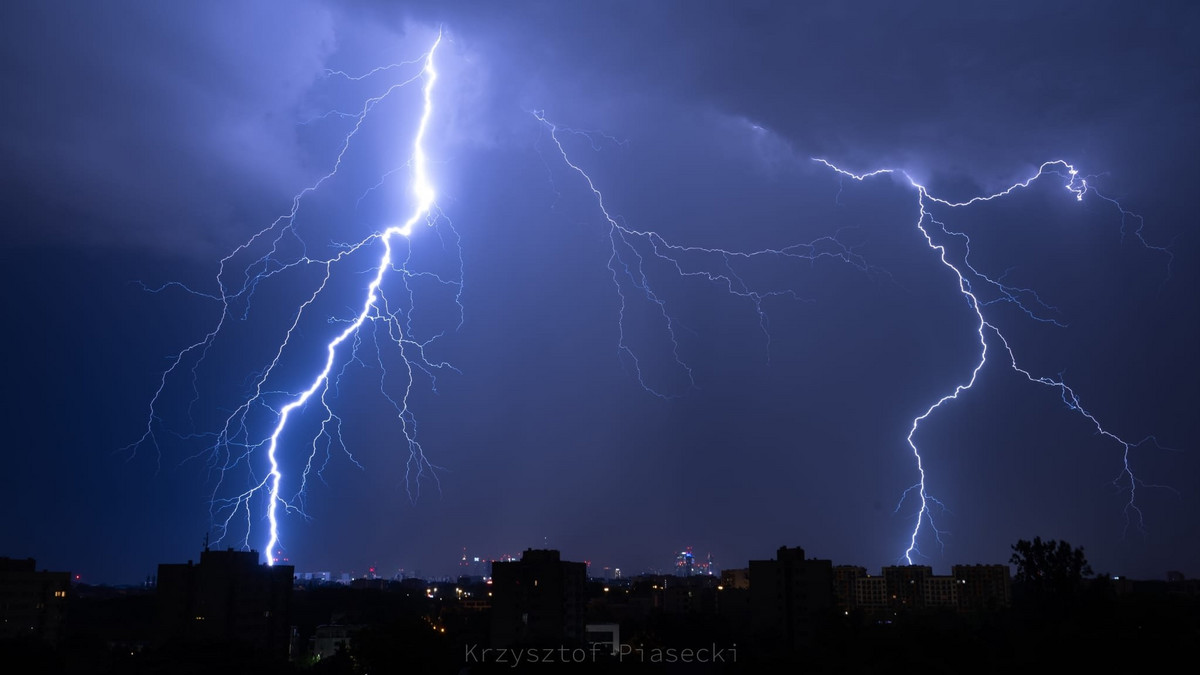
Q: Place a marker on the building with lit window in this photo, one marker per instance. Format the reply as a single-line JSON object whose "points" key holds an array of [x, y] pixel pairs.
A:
{"points": [[983, 587], [870, 593], [228, 599], [32, 603], [845, 579], [969, 588], [940, 592], [538, 600]]}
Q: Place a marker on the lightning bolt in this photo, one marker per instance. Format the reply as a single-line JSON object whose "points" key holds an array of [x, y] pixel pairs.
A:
{"points": [[233, 444], [965, 273], [631, 251], [634, 255], [627, 265]]}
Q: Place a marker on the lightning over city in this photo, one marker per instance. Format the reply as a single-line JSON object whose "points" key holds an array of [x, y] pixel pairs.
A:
{"points": [[235, 443], [413, 287], [625, 265], [1078, 187]]}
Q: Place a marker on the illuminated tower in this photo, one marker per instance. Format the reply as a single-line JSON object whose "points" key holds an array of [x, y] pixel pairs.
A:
{"points": [[685, 563]]}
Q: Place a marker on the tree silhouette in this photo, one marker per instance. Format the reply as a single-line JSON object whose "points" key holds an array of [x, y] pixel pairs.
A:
{"points": [[1049, 567]]}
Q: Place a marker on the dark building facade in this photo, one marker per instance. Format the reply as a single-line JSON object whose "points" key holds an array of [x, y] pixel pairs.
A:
{"points": [[789, 596], [845, 585], [32, 603], [538, 600], [228, 599], [983, 587], [690, 595], [906, 588]]}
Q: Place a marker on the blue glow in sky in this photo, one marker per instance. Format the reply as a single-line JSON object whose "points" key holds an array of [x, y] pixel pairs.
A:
{"points": [[500, 392]]}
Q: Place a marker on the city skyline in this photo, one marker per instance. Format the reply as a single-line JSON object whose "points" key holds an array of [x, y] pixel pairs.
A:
{"points": [[478, 567]]}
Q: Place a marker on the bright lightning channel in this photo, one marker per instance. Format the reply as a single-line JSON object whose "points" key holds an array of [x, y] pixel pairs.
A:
{"points": [[1078, 187], [424, 193], [375, 307], [626, 265]]}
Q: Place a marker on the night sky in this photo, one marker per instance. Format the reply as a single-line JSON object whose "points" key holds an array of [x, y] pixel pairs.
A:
{"points": [[143, 142]]}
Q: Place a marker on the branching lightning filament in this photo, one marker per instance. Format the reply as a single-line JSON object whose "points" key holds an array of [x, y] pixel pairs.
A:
{"points": [[236, 442], [1029, 303], [254, 437], [631, 248]]}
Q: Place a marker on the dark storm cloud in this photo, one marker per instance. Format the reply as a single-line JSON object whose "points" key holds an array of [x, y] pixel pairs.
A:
{"points": [[171, 120], [146, 124], [876, 82]]}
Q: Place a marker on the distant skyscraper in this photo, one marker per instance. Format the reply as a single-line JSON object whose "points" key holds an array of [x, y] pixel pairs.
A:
{"points": [[686, 564]]}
